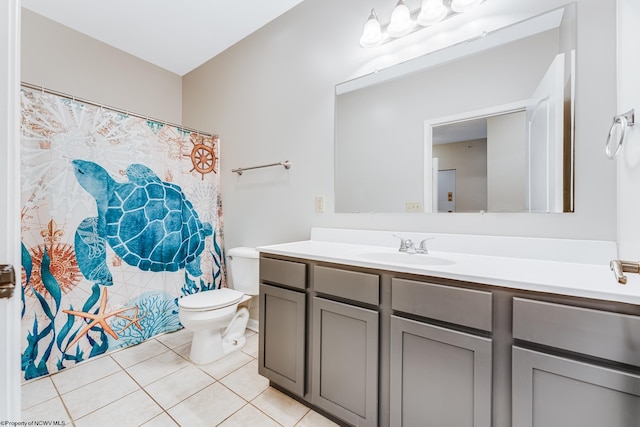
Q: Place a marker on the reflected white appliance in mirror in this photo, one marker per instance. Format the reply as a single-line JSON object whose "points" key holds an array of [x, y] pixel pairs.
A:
{"points": [[496, 112]]}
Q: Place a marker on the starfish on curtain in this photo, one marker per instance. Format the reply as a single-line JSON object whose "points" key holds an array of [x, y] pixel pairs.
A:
{"points": [[100, 318], [133, 320]]}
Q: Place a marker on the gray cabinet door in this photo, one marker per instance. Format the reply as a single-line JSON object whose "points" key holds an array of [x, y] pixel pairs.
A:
{"points": [[344, 373], [439, 377], [551, 391], [282, 337]]}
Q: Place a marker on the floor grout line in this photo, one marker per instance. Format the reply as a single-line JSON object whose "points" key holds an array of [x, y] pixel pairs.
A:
{"points": [[64, 405], [122, 368], [73, 420]]}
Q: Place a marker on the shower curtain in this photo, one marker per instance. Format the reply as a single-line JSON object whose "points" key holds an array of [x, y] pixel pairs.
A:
{"points": [[121, 216]]}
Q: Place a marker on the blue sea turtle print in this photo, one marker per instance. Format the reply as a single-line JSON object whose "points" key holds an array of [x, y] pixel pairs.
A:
{"points": [[147, 222]]}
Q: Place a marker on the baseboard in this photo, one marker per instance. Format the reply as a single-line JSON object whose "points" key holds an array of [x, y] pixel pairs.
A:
{"points": [[253, 325]]}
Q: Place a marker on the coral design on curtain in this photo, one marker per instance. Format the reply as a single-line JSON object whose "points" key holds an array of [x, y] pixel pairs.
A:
{"points": [[120, 217]]}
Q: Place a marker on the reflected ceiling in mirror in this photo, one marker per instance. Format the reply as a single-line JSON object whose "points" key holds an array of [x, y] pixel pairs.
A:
{"points": [[389, 123]]}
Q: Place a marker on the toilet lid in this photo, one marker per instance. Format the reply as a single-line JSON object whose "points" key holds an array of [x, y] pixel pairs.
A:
{"points": [[209, 300]]}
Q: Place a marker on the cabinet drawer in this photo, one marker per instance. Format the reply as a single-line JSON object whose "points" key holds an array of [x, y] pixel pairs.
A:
{"points": [[465, 307], [596, 333], [353, 285], [288, 273]]}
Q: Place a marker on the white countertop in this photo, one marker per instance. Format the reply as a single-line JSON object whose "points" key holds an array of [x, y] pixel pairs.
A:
{"points": [[580, 279]]}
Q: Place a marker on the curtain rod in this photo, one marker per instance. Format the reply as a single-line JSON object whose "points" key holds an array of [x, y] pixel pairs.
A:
{"points": [[118, 110]]}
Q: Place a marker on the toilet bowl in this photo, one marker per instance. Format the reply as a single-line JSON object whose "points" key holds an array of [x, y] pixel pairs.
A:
{"points": [[218, 325]]}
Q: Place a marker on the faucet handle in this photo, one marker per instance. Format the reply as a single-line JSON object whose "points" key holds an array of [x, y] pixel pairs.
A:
{"points": [[423, 245], [405, 244], [423, 242]]}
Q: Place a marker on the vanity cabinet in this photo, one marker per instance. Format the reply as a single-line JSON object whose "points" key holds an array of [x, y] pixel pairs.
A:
{"points": [[574, 366], [439, 375], [374, 347], [282, 324], [345, 347]]}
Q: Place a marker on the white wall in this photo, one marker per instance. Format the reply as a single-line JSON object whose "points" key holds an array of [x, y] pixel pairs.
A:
{"points": [[59, 58], [629, 158], [271, 98]]}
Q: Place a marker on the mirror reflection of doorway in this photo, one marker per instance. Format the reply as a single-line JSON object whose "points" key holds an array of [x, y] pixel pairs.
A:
{"points": [[521, 166], [447, 190]]}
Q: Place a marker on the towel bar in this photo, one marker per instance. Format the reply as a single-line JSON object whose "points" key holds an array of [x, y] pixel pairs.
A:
{"points": [[286, 164]]}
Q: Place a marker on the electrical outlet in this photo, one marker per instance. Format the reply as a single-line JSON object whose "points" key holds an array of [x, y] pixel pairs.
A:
{"points": [[413, 207], [319, 204]]}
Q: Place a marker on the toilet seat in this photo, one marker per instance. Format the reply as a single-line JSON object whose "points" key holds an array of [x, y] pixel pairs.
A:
{"points": [[210, 300]]}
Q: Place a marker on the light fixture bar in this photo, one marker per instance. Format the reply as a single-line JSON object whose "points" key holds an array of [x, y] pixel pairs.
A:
{"points": [[435, 11]]}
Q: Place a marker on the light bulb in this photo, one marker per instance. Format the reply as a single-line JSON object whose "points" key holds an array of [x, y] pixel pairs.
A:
{"points": [[464, 5], [432, 11], [372, 33], [401, 22]]}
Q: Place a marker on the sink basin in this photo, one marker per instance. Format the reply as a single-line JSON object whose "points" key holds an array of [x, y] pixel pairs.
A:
{"points": [[404, 258]]}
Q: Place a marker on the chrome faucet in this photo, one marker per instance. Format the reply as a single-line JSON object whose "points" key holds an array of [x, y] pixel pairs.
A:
{"points": [[407, 245]]}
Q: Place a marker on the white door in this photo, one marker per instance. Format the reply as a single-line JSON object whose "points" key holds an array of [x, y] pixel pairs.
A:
{"points": [[447, 190], [10, 212], [545, 141]]}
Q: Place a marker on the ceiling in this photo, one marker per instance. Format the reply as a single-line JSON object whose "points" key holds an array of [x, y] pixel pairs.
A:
{"points": [[467, 130], [177, 35]]}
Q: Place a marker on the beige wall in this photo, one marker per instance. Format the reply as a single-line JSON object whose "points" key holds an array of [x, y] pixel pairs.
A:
{"points": [[469, 160], [506, 162], [271, 98], [61, 59]]}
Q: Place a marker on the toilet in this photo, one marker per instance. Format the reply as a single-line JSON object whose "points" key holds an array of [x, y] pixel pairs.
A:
{"points": [[218, 325]]}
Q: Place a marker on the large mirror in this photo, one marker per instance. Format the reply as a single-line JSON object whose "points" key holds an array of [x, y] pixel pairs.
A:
{"points": [[481, 126]]}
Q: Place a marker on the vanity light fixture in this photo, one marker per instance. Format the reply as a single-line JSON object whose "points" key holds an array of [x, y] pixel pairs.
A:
{"points": [[404, 21], [432, 11], [372, 33], [401, 23]]}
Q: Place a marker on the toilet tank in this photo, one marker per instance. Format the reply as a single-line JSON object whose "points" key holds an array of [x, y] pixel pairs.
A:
{"points": [[243, 264]]}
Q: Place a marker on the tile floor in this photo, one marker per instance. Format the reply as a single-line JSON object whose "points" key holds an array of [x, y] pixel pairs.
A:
{"points": [[155, 384]]}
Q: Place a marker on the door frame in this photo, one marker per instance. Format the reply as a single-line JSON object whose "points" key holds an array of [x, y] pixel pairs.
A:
{"points": [[430, 195], [10, 401]]}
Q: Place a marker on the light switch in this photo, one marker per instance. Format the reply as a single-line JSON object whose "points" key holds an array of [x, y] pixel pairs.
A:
{"points": [[319, 204]]}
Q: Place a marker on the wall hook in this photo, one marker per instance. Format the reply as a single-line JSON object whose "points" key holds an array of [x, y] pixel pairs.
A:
{"points": [[624, 121]]}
